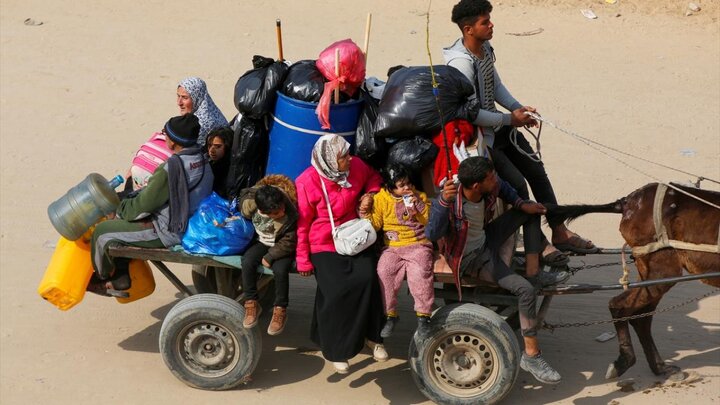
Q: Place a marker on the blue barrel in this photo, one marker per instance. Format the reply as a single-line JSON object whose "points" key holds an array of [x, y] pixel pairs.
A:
{"points": [[295, 129]]}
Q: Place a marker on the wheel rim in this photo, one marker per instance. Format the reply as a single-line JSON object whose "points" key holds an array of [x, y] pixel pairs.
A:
{"points": [[462, 364], [208, 349]]}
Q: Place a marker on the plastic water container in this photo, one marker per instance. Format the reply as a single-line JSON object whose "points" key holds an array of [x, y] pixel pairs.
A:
{"points": [[295, 129], [67, 275], [84, 205], [142, 282]]}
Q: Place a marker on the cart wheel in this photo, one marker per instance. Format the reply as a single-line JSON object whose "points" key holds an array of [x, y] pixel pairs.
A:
{"points": [[204, 344], [470, 356]]}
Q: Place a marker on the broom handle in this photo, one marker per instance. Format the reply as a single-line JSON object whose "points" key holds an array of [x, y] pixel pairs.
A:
{"points": [[367, 35], [278, 30]]}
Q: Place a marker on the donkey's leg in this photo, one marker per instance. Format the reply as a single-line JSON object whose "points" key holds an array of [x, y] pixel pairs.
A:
{"points": [[620, 308], [643, 328]]}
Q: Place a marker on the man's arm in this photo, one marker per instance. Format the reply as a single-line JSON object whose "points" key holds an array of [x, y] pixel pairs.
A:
{"points": [[149, 200]]}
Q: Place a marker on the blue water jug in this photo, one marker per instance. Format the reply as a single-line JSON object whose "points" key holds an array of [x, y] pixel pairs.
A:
{"points": [[84, 205]]}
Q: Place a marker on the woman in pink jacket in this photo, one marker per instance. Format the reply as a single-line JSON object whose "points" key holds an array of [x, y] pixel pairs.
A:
{"points": [[348, 304]]}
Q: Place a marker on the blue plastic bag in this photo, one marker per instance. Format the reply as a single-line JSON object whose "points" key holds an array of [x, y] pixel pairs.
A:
{"points": [[217, 228]]}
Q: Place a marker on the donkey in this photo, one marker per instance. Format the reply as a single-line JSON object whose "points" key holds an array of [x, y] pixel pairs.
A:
{"points": [[668, 231]]}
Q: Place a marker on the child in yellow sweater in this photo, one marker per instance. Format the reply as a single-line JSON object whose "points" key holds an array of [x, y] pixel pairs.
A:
{"points": [[401, 212]]}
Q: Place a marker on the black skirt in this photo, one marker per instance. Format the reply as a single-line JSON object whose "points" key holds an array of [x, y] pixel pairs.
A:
{"points": [[348, 304]]}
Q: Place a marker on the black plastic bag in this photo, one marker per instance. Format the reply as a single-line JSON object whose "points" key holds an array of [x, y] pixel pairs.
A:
{"points": [[408, 106], [255, 90], [415, 154], [248, 158], [366, 145], [304, 82]]}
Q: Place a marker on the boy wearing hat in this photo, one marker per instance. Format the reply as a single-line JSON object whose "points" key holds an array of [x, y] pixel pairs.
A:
{"points": [[158, 214]]}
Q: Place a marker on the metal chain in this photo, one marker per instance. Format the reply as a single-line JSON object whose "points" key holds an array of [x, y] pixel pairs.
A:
{"points": [[552, 327], [573, 270]]}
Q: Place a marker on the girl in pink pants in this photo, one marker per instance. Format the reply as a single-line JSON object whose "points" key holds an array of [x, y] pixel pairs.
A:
{"points": [[401, 212]]}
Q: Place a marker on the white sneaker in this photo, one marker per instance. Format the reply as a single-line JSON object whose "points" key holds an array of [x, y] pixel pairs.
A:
{"points": [[341, 367], [379, 352]]}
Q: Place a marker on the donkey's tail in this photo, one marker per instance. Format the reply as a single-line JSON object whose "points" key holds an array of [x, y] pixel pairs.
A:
{"points": [[568, 213]]}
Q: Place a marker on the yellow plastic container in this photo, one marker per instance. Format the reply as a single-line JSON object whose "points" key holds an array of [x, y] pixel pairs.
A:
{"points": [[67, 274], [142, 282]]}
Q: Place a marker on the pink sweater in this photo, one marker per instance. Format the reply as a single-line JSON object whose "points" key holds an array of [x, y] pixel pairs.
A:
{"points": [[314, 230]]}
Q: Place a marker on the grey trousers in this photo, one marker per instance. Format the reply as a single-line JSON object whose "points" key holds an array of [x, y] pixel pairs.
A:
{"points": [[118, 231], [488, 265]]}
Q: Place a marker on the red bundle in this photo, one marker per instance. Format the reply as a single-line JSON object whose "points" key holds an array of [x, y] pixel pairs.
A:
{"points": [[351, 74]]}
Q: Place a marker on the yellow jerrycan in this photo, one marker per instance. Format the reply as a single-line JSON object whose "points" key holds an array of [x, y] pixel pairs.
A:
{"points": [[142, 282], [68, 274]]}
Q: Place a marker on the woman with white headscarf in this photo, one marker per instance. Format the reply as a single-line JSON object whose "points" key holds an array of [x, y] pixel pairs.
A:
{"points": [[193, 97], [348, 304]]}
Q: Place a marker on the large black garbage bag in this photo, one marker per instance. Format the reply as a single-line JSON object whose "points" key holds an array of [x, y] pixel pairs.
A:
{"points": [[255, 90], [248, 155], [366, 145], [304, 82], [415, 154], [408, 106]]}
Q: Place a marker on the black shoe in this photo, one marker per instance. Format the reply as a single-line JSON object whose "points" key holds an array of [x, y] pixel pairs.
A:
{"points": [[387, 330], [423, 325], [545, 279]]}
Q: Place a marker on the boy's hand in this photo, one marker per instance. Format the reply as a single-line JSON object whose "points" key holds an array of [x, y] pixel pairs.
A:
{"points": [[449, 191], [265, 263], [531, 207]]}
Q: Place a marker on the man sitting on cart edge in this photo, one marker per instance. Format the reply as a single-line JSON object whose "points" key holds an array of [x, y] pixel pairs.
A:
{"points": [[157, 215], [462, 217]]}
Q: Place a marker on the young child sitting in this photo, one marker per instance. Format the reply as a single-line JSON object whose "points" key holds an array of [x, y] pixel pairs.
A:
{"points": [[271, 206], [402, 213]]}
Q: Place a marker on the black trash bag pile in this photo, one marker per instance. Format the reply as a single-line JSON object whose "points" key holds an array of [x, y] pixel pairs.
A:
{"points": [[370, 149], [415, 153], [408, 106], [304, 82], [248, 157], [255, 90]]}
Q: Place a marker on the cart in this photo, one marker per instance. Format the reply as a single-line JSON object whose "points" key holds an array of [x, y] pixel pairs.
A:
{"points": [[470, 354]]}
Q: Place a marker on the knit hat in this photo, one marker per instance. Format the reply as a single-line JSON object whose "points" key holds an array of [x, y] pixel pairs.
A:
{"points": [[183, 129]]}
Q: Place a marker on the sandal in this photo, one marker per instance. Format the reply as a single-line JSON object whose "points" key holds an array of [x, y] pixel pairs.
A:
{"points": [[555, 258], [576, 244]]}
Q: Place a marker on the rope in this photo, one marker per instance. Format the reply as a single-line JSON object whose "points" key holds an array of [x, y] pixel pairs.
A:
{"points": [[625, 279], [589, 141], [592, 144], [535, 156]]}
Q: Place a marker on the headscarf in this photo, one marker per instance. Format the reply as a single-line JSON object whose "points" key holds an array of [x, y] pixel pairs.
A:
{"points": [[204, 108], [324, 158]]}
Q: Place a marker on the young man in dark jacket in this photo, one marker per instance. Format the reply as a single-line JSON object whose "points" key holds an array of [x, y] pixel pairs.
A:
{"points": [[463, 217], [272, 207]]}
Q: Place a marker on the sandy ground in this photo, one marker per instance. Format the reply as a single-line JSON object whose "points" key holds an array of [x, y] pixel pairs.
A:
{"points": [[80, 92]]}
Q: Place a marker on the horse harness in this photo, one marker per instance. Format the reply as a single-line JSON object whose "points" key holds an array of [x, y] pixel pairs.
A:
{"points": [[662, 240]]}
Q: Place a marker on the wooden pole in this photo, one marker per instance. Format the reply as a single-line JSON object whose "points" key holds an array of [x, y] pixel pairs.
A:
{"points": [[337, 75], [367, 35], [278, 30]]}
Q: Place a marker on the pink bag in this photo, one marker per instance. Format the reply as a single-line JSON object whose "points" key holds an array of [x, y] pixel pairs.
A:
{"points": [[150, 155], [352, 75]]}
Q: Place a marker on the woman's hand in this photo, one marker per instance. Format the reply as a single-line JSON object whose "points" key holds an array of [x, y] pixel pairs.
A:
{"points": [[366, 204], [305, 273]]}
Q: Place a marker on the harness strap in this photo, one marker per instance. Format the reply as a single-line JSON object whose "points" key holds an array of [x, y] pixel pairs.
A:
{"points": [[662, 240]]}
